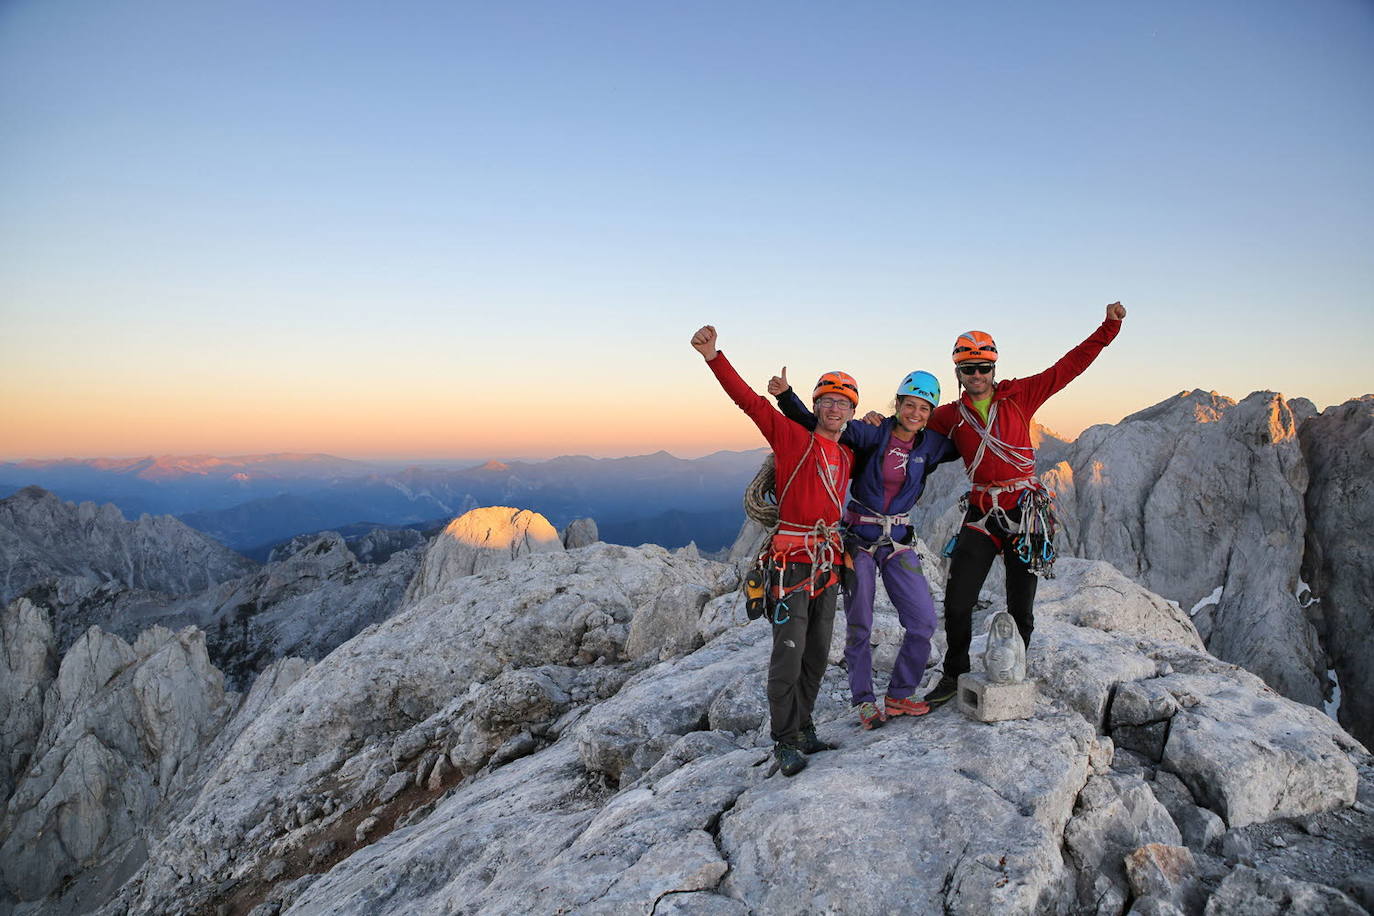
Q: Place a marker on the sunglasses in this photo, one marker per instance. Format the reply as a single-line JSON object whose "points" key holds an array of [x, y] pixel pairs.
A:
{"points": [[980, 370]]}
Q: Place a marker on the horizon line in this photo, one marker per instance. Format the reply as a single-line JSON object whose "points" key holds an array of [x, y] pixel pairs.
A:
{"points": [[399, 459]]}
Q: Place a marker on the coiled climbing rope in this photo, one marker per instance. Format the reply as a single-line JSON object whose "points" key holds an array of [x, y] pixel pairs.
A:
{"points": [[760, 499]]}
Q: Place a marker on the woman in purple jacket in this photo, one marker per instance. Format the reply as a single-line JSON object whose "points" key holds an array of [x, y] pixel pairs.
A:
{"points": [[891, 462]]}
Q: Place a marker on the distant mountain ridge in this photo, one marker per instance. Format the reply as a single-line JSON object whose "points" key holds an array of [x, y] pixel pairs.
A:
{"points": [[166, 467], [177, 484], [252, 501]]}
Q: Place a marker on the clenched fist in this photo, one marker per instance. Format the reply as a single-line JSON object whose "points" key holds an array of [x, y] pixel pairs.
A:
{"points": [[704, 342], [1116, 311]]}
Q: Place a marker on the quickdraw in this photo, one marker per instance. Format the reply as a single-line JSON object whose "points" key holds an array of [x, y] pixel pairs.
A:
{"points": [[1032, 536], [1034, 543]]}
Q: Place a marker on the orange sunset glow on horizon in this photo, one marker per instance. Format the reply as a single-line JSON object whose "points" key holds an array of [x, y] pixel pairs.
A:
{"points": [[692, 420]]}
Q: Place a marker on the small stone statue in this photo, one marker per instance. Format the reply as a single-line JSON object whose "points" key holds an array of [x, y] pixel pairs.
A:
{"points": [[1004, 661]]}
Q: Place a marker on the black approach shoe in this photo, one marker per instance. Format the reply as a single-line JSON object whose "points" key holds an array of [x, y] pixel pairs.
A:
{"points": [[790, 759], [811, 743], [942, 692]]}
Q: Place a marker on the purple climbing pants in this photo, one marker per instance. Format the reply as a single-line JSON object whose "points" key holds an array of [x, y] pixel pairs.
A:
{"points": [[910, 594]]}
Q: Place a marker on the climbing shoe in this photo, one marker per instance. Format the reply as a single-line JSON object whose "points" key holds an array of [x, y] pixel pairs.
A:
{"points": [[942, 692], [904, 707], [870, 716], [790, 759], [810, 742]]}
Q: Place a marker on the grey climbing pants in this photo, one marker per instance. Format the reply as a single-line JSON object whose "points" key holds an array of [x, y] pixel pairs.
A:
{"points": [[801, 645]]}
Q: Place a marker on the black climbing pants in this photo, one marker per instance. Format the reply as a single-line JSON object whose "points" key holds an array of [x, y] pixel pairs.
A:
{"points": [[801, 645], [973, 556]]}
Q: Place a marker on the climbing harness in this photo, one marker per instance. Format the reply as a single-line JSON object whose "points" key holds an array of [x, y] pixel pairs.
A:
{"points": [[821, 543], [887, 523], [1032, 536], [763, 586], [995, 511]]}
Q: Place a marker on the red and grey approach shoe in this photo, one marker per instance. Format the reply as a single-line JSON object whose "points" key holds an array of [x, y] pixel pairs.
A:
{"points": [[905, 706]]}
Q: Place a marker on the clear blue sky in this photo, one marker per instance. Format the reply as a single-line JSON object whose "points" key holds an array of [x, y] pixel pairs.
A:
{"points": [[489, 229]]}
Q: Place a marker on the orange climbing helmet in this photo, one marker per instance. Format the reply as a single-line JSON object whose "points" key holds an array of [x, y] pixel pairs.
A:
{"points": [[841, 383], [977, 345]]}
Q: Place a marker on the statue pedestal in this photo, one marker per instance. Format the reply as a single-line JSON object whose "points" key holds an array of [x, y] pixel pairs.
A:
{"points": [[985, 702]]}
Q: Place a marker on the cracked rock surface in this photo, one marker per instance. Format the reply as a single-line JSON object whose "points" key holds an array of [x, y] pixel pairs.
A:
{"points": [[42, 538], [1225, 508], [504, 745], [124, 730], [1200, 492], [1339, 563]]}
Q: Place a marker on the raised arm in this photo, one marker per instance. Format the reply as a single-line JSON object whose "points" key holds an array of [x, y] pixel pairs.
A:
{"points": [[771, 423], [1038, 388]]}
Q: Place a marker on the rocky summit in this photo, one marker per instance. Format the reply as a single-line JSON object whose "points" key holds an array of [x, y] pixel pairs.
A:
{"points": [[583, 730]]}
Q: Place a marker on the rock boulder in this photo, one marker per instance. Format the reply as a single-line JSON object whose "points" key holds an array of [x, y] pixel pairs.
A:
{"points": [[478, 540]]}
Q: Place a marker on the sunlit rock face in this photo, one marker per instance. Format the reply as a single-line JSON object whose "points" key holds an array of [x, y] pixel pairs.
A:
{"points": [[1339, 565], [482, 539], [1200, 492]]}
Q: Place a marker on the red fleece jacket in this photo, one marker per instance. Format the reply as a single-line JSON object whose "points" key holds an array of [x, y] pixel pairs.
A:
{"points": [[807, 501], [1017, 401]]}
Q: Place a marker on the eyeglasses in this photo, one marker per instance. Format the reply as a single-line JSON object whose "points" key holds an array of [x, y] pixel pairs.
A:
{"points": [[836, 403], [970, 370]]}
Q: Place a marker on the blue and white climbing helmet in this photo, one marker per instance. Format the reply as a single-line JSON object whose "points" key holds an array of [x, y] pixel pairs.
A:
{"points": [[921, 384]]}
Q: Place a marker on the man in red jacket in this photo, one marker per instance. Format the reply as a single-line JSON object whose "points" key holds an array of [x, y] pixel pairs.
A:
{"points": [[990, 426], [812, 470]]}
